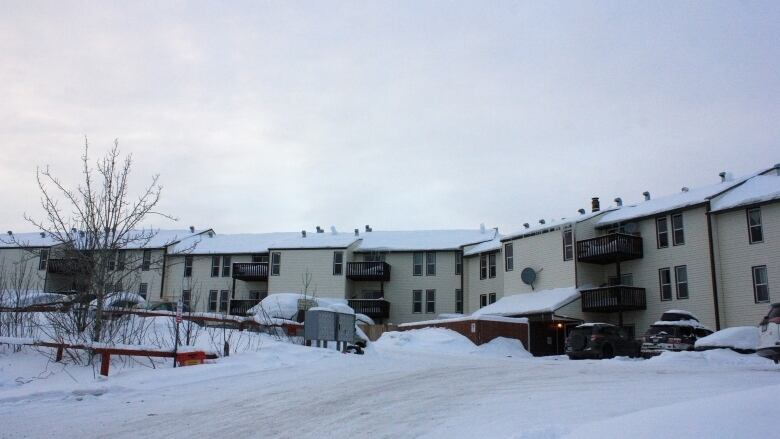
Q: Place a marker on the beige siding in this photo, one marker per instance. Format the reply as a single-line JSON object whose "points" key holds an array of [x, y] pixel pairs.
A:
{"points": [[475, 286], [317, 262], [543, 253], [737, 256], [19, 269]]}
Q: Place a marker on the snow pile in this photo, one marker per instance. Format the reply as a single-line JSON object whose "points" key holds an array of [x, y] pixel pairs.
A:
{"points": [[21, 299], [710, 358], [121, 298], [431, 340], [739, 337], [284, 306], [504, 347], [531, 303]]}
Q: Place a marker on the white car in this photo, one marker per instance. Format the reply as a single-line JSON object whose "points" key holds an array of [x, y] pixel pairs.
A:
{"points": [[769, 335]]}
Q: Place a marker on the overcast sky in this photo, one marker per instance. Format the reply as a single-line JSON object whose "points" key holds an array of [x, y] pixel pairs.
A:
{"points": [[280, 116]]}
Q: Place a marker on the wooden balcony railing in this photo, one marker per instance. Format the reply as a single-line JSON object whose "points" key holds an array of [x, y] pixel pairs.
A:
{"points": [[374, 308], [250, 271], [239, 307], [613, 299], [67, 266], [610, 248], [378, 271]]}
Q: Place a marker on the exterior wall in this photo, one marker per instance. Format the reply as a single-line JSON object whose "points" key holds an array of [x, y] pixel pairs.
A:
{"points": [[398, 291], [588, 275], [319, 263], [694, 254], [474, 286], [19, 269], [737, 256], [543, 253]]}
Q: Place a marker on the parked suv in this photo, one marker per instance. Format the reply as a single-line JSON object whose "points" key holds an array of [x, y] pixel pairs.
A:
{"points": [[676, 331], [769, 334], [600, 340]]}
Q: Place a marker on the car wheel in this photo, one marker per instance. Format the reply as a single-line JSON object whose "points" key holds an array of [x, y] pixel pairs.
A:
{"points": [[607, 352]]}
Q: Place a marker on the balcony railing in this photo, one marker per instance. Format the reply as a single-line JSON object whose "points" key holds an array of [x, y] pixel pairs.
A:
{"points": [[374, 308], [239, 307], [378, 271], [610, 248], [250, 271], [613, 299], [68, 266]]}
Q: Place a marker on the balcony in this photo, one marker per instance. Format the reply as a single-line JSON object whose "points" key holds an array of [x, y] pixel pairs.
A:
{"points": [[610, 248], [613, 299], [250, 271], [374, 308], [239, 307], [376, 271], [66, 266]]}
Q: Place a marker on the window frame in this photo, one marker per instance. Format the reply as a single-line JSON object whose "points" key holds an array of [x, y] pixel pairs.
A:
{"points": [[121, 257], [43, 259], [568, 233], [492, 261], [417, 266], [483, 300], [338, 263], [659, 232], [260, 259], [677, 282], [216, 265], [458, 263], [213, 305], [430, 301], [186, 298], [224, 301], [756, 285], [492, 298], [675, 241], [188, 266], [276, 263], [459, 300], [146, 261], [417, 301], [430, 263], [509, 257], [662, 284], [143, 290], [759, 226], [226, 265], [483, 266]]}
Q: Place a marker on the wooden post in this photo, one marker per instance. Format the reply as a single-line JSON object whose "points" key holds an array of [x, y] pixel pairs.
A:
{"points": [[105, 361]]}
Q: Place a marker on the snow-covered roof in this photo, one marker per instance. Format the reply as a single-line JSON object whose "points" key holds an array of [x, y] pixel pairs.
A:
{"points": [[414, 240], [326, 239], [759, 189], [26, 240], [538, 302], [240, 243], [654, 206], [549, 225], [161, 238]]}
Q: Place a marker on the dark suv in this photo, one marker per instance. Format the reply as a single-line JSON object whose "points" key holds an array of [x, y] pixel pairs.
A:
{"points": [[676, 331], [600, 340]]}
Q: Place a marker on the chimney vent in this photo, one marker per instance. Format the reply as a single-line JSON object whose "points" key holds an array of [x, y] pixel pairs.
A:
{"points": [[192, 229], [10, 233], [43, 235], [526, 225], [777, 168], [594, 204], [684, 189], [619, 202], [722, 176], [357, 232], [368, 228], [482, 228], [541, 221], [647, 195], [319, 229], [303, 233], [333, 230], [581, 211]]}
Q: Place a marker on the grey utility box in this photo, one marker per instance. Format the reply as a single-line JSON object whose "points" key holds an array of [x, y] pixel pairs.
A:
{"points": [[327, 325]]}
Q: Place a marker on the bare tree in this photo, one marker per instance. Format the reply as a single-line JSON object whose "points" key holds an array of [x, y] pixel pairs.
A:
{"points": [[93, 222]]}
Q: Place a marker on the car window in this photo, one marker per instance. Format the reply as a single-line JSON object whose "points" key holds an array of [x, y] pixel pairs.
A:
{"points": [[622, 333]]}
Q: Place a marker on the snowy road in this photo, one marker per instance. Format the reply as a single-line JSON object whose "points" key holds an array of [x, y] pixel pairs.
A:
{"points": [[288, 391]]}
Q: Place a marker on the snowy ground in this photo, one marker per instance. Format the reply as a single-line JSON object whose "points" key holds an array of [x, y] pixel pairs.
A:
{"points": [[428, 385]]}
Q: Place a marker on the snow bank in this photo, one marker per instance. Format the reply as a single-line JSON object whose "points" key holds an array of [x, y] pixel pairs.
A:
{"points": [[531, 303], [504, 347], [739, 337], [285, 306], [433, 340], [20, 299], [119, 297], [710, 358]]}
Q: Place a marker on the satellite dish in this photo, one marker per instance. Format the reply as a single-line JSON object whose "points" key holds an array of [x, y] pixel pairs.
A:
{"points": [[630, 228], [528, 276]]}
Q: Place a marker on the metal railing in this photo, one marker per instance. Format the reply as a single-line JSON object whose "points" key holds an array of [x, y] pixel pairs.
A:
{"points": [[250, 271], [609, 248], [374, 308], [613, 299], [378, 271]]}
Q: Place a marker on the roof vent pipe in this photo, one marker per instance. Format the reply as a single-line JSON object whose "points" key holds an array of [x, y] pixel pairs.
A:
{"points": [[526, 225], [777, 169], [303, 233], [192, 229], [482, 228], [722, 176], [541, 221], [10, 233], [647, 195], [43, 235], [581, 211], [684, 189], [619, 202], [594, 204], [333, 230], [368, 228], [319, 229], [357, 232]]}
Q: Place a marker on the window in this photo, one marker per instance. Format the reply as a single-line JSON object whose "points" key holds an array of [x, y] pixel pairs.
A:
{"points": [[665, 281], [338, 263], [625, 279], [213, 300], [417, 301], [374, 257], [459, 301], [417, 264], [509, 257], [120, 260], [678, 235], [491, 298], [492, 265], [568, 245], [662, 232], [112, 261], [430, 301], [186, 296], [276, 263], [430, 264], [146, 263], [755, 231], [681, 280], [188, 266], [760, 284], [215, 266], [260, 258], [143, 290], [223, 301], [483, 300], [483, 266], [43, 258], [458, 263], [225, 266]]}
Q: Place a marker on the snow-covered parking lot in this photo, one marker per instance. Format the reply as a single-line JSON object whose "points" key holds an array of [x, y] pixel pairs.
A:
{"points": [[431, 386]]}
